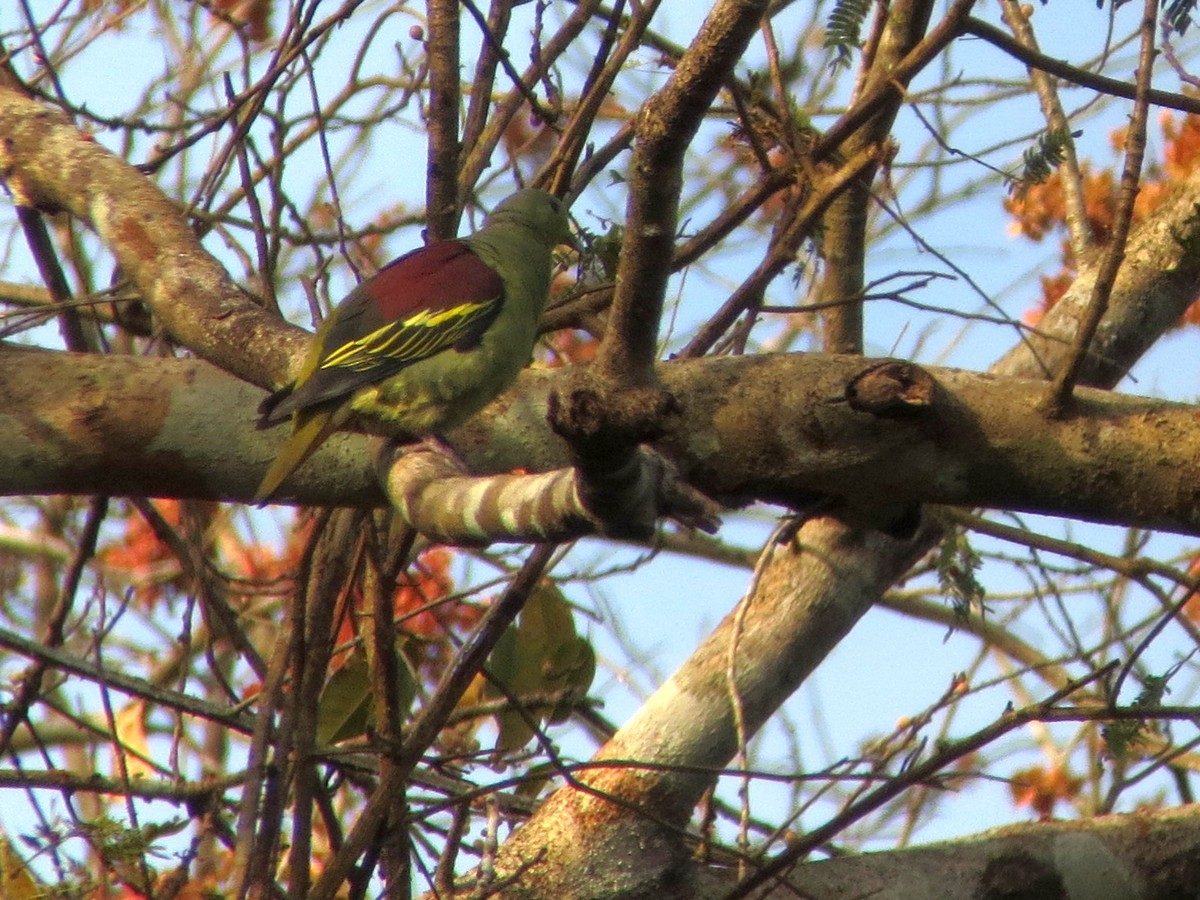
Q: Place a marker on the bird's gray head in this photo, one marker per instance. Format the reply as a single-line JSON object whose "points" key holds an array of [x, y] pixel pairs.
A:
{"points": [[542, 213]]}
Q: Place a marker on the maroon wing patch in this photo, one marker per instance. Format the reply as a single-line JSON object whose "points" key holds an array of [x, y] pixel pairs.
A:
{"points": [[434, 278], [420, 304]]}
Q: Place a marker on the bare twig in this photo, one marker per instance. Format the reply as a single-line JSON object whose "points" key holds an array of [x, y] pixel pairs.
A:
{"points": [[16, 711], [793, 228], [135, 687], [916, 774], [1112, 86], [1114, 254], [1078, 229], [38, 238]]}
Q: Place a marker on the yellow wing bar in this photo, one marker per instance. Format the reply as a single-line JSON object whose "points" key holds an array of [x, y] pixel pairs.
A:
{"points": [[417, 337]]}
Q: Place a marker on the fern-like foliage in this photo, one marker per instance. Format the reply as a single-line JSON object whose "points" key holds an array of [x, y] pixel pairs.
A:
{"points": [[1120, 735], [1176, 13], [843, 30], [1042, 159], [957, 563]]}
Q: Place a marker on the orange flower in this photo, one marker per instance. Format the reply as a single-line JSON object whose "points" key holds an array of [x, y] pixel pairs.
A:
{"points": [[1041, 788]]}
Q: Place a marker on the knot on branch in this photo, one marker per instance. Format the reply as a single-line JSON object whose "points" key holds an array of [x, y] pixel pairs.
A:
{"points": [[625, 487], [891, 390], [595, 421]]}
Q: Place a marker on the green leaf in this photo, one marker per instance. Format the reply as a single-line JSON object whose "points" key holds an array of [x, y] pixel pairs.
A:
{"points": [[543, 654], [344, 710], [957, 564], [844, 27], [573, 668], [606, 249], [1040, 160], [1120, 736]]}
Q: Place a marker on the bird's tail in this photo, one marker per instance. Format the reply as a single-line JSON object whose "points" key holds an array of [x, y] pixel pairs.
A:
{"points": [[311, 428], [269, 413]]}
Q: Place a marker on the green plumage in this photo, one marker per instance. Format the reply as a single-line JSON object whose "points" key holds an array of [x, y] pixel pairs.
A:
{"points": [[430, 339]]}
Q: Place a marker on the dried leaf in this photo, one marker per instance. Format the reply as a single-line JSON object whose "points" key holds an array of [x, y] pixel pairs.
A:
{"points": [[16, 881]]}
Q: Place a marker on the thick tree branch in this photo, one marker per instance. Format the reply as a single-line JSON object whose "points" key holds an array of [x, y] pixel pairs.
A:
{"points": [[433, 496], [1158, 280], [1157, 283], [76, 423], [1143, 856], [862, 443]]}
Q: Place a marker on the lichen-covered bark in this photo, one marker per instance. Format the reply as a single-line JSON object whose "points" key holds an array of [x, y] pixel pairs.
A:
{"points": [[1144, 856], [82, 423]]}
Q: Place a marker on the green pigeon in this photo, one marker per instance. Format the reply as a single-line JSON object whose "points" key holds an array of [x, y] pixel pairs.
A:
{"points": [[430, 339]]}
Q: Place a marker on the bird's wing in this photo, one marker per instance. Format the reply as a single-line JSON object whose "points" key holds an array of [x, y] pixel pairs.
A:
{"points": [[439, 297]]}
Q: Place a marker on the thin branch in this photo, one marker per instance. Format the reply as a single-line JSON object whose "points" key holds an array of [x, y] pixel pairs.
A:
{"points": [[597, 88], [445, 97], [16, 711], [33, 224], [1114, 254], [1100, 83], [951, 26], [265, 280], [494, 42], [135, 687], [794, 227], [219, 616], [1078, 229], [917, 774], [146, 788], [666, 125], [478, 156], [479, 101]]}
